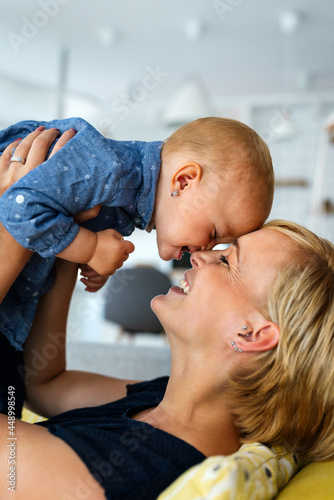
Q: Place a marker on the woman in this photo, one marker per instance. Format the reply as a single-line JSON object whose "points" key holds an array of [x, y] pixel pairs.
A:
{"points": [[251, 334]]}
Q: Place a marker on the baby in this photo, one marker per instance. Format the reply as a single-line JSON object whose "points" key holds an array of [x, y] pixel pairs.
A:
{"points": [[211, 181]]}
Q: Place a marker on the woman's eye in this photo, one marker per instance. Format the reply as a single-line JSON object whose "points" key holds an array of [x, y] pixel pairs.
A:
{"points": [[224, 259]]}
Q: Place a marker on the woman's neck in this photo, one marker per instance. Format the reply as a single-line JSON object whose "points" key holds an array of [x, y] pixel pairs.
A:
{"points": [[190, 413]]}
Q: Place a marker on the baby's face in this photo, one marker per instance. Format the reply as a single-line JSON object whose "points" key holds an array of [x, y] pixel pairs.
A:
{"points": [[202, 217]]}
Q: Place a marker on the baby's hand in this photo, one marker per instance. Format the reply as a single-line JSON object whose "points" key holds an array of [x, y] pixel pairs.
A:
{"points": [[91, 279], [111, 252]]}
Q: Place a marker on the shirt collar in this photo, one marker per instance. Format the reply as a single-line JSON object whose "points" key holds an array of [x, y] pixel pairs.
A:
{"points": [[151, 161]]}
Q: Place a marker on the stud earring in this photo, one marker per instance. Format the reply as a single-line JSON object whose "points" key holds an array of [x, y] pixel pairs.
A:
{"points": [[245, 328], [235, 347], [174, 193]]}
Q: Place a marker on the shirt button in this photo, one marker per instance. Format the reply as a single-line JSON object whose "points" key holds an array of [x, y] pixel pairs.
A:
{"points": [[136, 220], [19, 199]]}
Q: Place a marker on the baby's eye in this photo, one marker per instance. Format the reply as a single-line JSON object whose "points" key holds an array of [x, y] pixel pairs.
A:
{"points": [[224, 259]]}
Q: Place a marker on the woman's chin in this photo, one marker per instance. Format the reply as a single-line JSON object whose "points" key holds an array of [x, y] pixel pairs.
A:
{"points": [[155, 302]]}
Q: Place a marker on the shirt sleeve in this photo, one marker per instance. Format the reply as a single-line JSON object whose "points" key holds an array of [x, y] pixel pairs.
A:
{"points": [[37, 210]]}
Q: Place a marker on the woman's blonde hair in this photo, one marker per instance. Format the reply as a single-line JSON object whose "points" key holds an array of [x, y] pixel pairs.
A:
{"points": [[224, 145], [288, 396]]}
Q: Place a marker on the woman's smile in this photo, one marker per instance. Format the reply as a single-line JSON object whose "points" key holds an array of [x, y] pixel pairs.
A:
{"points": [[184, 285]]}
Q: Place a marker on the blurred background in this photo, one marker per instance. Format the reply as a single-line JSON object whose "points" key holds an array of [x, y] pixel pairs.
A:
{"points": [[139, 69]]}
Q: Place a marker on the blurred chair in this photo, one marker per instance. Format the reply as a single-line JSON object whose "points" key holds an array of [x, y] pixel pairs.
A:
{"points": [[128, 296]]}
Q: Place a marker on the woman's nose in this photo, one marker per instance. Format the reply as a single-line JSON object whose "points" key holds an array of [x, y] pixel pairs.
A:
{"points": [[200, 257]]}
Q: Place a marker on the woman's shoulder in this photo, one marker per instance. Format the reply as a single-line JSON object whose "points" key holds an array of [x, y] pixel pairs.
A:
{"points": [[156, 385], [138, 394]]}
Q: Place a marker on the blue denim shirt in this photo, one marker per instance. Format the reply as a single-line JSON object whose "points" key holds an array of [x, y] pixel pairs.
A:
{"points": [[37, 210]]}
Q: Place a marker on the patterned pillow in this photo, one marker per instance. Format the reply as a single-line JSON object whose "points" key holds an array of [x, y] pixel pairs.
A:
{"points": [[254, 472], [31, 417]]}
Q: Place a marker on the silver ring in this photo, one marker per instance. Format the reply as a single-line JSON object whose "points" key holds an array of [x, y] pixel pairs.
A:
{"points": [[19, 159]]}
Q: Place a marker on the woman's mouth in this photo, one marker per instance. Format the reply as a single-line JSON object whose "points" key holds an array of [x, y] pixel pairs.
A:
{"points": [[184, 285]]}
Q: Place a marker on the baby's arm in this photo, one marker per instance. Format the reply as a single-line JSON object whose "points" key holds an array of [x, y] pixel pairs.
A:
{"points": [[105, 251]]}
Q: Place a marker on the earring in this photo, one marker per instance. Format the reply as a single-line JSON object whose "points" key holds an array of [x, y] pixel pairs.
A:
{"points": [[245, 328], [174, 193], [235, 347]]}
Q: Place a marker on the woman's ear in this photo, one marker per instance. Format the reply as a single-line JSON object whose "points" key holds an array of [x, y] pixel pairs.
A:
{"points": [[184, 176], [263, 337]]}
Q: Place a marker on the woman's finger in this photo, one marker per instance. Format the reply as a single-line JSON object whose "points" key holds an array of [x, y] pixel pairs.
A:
{"points": [[31, 152], [63, 139], [7, 154], [97, 281], [24, 146], [88, 272], [35, 149], [92, 286], [21, 148]]}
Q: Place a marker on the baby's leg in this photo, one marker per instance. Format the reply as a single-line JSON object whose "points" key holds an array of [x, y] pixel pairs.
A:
{"points": [[37, 465]]}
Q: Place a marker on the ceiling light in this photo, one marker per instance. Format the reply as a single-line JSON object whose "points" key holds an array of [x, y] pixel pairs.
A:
{"points": [[193, 29], [107, 36], [189, 102], [290, 20]]}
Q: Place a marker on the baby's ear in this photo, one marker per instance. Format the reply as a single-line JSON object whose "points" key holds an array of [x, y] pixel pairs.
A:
{"points": [[263, 337], [184, 176]]}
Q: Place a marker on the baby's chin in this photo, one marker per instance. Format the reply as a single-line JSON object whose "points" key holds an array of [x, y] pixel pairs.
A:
{"points": [[168, 254]]}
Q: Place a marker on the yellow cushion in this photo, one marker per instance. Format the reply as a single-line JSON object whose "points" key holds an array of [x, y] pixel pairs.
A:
{"points": [[31, 417], [255, 471], [314, 482]]}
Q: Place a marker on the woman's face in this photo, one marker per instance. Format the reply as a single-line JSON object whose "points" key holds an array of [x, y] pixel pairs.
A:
{"points": [[223, 288]]}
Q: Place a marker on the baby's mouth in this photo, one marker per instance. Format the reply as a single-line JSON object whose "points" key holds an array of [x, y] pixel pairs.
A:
{"points": [[184, 286], [182, 251]]}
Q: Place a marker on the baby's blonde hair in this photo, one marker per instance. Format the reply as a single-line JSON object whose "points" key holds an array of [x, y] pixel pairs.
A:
{"points": [[288, 397], [223, 145]]}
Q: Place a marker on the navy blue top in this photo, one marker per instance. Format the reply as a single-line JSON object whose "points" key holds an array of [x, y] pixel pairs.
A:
{"points": [[131, 459], [37, 210]]}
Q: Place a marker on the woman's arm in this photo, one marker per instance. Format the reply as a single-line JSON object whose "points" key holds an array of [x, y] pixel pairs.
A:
{"points": [[13, 258], [50, 388]]}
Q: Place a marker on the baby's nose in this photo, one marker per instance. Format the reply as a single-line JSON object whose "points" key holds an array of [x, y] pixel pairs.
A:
{"points": [[195, 249], [208, 246]]}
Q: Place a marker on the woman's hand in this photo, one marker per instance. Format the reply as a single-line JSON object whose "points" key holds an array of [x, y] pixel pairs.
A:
{"points": [[33, 149], [91, 279]]}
